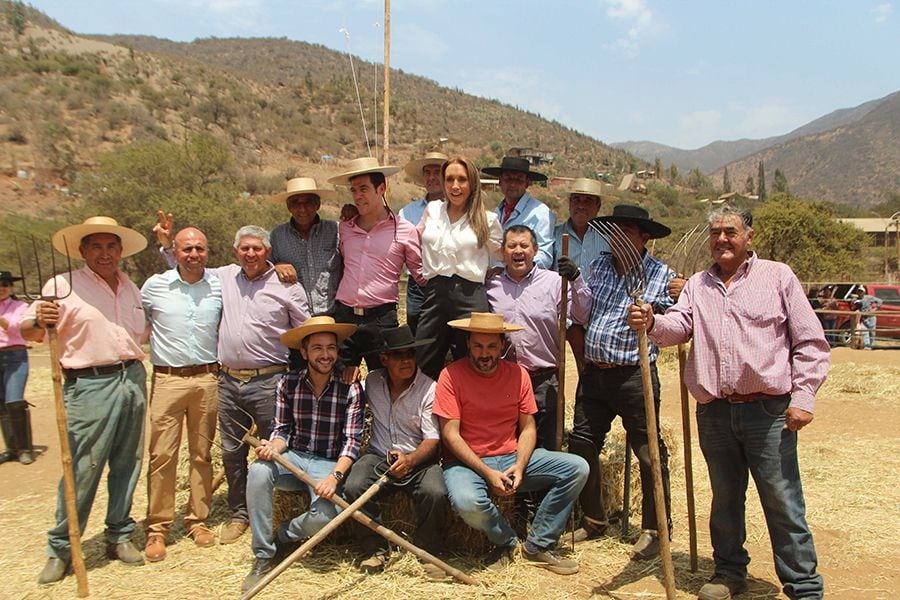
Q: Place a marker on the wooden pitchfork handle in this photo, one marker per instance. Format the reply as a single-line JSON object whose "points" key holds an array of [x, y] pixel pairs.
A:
{"points": [[561, 377], [662, 523], [688, 456], [65, 452], [320, 535], [381, 530]]}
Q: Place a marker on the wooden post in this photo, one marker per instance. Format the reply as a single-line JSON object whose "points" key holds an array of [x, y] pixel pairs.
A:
{"points": [[68, 474], [561, 377], [386, 128], [688, 456]]}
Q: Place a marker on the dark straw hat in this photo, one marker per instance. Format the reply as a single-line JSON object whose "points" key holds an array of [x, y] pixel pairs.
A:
{"points": [[7, 276], [629, 213], [399, 338], [516, 164]]}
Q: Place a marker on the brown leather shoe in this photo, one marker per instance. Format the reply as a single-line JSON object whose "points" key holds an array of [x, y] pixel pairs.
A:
{"points": [[155, 550], [232, 532], [203, 537]]}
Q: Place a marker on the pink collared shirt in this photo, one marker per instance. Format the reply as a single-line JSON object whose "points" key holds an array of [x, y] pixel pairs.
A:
{"points": [[758, 335], [96, 325], [12, 310], [373, 261]]}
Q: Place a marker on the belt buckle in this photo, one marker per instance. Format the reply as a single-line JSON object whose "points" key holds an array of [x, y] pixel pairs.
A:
{"points": [[359, 311]]}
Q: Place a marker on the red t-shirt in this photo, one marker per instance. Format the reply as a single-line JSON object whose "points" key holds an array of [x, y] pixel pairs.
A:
{"points": [[487, 407]]}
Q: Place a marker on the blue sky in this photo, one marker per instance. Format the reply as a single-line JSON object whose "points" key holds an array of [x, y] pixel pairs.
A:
{"points": [[679, 73]]}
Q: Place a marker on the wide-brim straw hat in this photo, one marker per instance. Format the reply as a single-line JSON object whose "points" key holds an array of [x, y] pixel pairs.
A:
{"points": [[414, 167], [485, 323], [516, 164], [590, 187], [312, 325], [304, 185], [362, 166], [68, 239], [630, 213]]}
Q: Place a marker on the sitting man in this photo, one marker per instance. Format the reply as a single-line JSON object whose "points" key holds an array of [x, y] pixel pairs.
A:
{"points": [[404, 436], [318, 427], [486, 408]]}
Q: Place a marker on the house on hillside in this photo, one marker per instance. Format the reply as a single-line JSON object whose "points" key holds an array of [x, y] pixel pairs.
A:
{"points": [[630, 183], [878, 229], [534, 156]]}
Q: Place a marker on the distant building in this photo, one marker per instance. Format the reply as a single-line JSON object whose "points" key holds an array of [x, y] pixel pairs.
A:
{"points": [[534, 156], [876, 228]]}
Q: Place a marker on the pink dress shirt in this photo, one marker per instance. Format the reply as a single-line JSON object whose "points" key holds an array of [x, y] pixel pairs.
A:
{"points": [[96, 325], [12, 310], [373, 261], [759, 335]]}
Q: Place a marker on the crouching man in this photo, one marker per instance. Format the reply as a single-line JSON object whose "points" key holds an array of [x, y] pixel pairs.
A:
{"points": [[486, 408], [317, 427]]}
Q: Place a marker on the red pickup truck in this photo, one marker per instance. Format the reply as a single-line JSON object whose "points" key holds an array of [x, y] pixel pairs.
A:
{"points": [[887, 325]]}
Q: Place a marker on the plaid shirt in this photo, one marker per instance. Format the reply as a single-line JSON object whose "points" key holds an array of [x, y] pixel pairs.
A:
{"points": [[329, 426], [316, 260], [609, 339]]}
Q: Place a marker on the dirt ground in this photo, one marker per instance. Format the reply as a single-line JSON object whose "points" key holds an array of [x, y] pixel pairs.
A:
{"points": [[848, 456]]}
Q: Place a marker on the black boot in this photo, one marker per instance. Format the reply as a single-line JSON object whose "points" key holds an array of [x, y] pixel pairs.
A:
{"points": [[9, 439], [21, 426], [595, 520]]}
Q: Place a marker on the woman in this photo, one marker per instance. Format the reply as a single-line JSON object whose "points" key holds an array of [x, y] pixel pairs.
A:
{"points": [[459, 238], [14, 418]]}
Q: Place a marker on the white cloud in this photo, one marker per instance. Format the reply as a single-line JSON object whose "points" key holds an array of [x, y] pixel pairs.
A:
{"points": [[698, 128], [227, 15], [637, 17], [767, 120], [882, 12]]}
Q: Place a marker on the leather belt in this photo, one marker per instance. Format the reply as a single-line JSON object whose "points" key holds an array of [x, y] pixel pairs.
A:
{"points": [[544, 371], [372, 311], [603, 365], [248, 374], [187, 371], [745, 398], [11, 348], [73, 374]]}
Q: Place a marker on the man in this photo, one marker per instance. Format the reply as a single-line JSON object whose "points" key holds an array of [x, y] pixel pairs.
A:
{"points": [[518, 207], [531, 297], [754, 368], [611, 384], [101, 326], [585, 244], [184, 306], [486, 409], [375, 245], [305, 249], [318, 427], [866, 304], [256, 309], [425, 171], [404, 442]]}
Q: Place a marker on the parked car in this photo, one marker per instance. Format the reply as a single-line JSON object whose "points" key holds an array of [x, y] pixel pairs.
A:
{"points": [[886, 325]]}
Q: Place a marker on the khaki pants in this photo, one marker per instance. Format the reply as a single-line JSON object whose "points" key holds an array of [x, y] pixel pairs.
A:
{"points": [[173, 399]]}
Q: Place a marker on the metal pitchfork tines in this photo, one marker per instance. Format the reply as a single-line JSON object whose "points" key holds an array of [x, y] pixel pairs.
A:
{"points": [[61, 418], [629, 265], [690, 251]]}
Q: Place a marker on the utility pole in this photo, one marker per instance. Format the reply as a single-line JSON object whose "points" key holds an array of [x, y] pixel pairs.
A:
{"points": [[386, 128]]}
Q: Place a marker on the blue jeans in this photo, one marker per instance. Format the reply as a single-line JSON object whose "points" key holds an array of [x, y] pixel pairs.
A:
{"points": [[13, 375], [263, 478], [738, 439], [562, 475], [869, 334], [256, 397], [105, 415]]}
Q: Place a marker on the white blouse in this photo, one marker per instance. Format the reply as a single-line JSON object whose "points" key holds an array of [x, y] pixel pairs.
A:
{"points": [[452, 248]]}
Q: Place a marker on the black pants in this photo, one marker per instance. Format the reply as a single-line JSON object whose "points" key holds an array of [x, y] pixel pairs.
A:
{"points": [[367, 335], [446, 298], [602, 395], [546, 388]]}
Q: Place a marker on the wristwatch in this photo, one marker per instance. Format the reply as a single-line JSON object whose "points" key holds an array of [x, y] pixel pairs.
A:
{"points": [[338, 475]]}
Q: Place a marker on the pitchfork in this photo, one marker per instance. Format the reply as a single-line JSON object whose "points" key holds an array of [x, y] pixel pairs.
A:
{"points": [[61, 418], [630, 264], [348, 511]]}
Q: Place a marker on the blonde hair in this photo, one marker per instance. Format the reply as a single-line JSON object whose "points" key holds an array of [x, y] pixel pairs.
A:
{"points": [[475, 212]]}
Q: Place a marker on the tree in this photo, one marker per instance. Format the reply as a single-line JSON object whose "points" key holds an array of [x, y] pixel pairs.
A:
{"points": [[726, 182], [808, 237], [761, 178], [16, 17], [674, 175], [749, 185], [658, 167], [781, 184], [696, 179]]}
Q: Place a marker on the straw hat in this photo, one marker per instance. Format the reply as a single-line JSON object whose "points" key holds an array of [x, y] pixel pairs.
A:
{"points": [[362, 166], [414, 167], [485, 323], [590, 187], [303, 185], [398, 338], [312, 325], [68, 239], [517, 165], [629, 213]]}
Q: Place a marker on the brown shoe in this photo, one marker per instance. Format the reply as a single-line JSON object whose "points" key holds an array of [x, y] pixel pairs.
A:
{"points": [[647, 545], [155, 550], [232, 532], [203, 537]]}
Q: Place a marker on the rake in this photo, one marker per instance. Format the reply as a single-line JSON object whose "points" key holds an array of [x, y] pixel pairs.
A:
{"points": [[61, 417], [352, 511], [630, 266]]}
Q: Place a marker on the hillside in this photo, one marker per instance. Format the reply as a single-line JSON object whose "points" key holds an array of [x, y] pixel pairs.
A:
{"points": [[853, 164], [715, 155]]}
